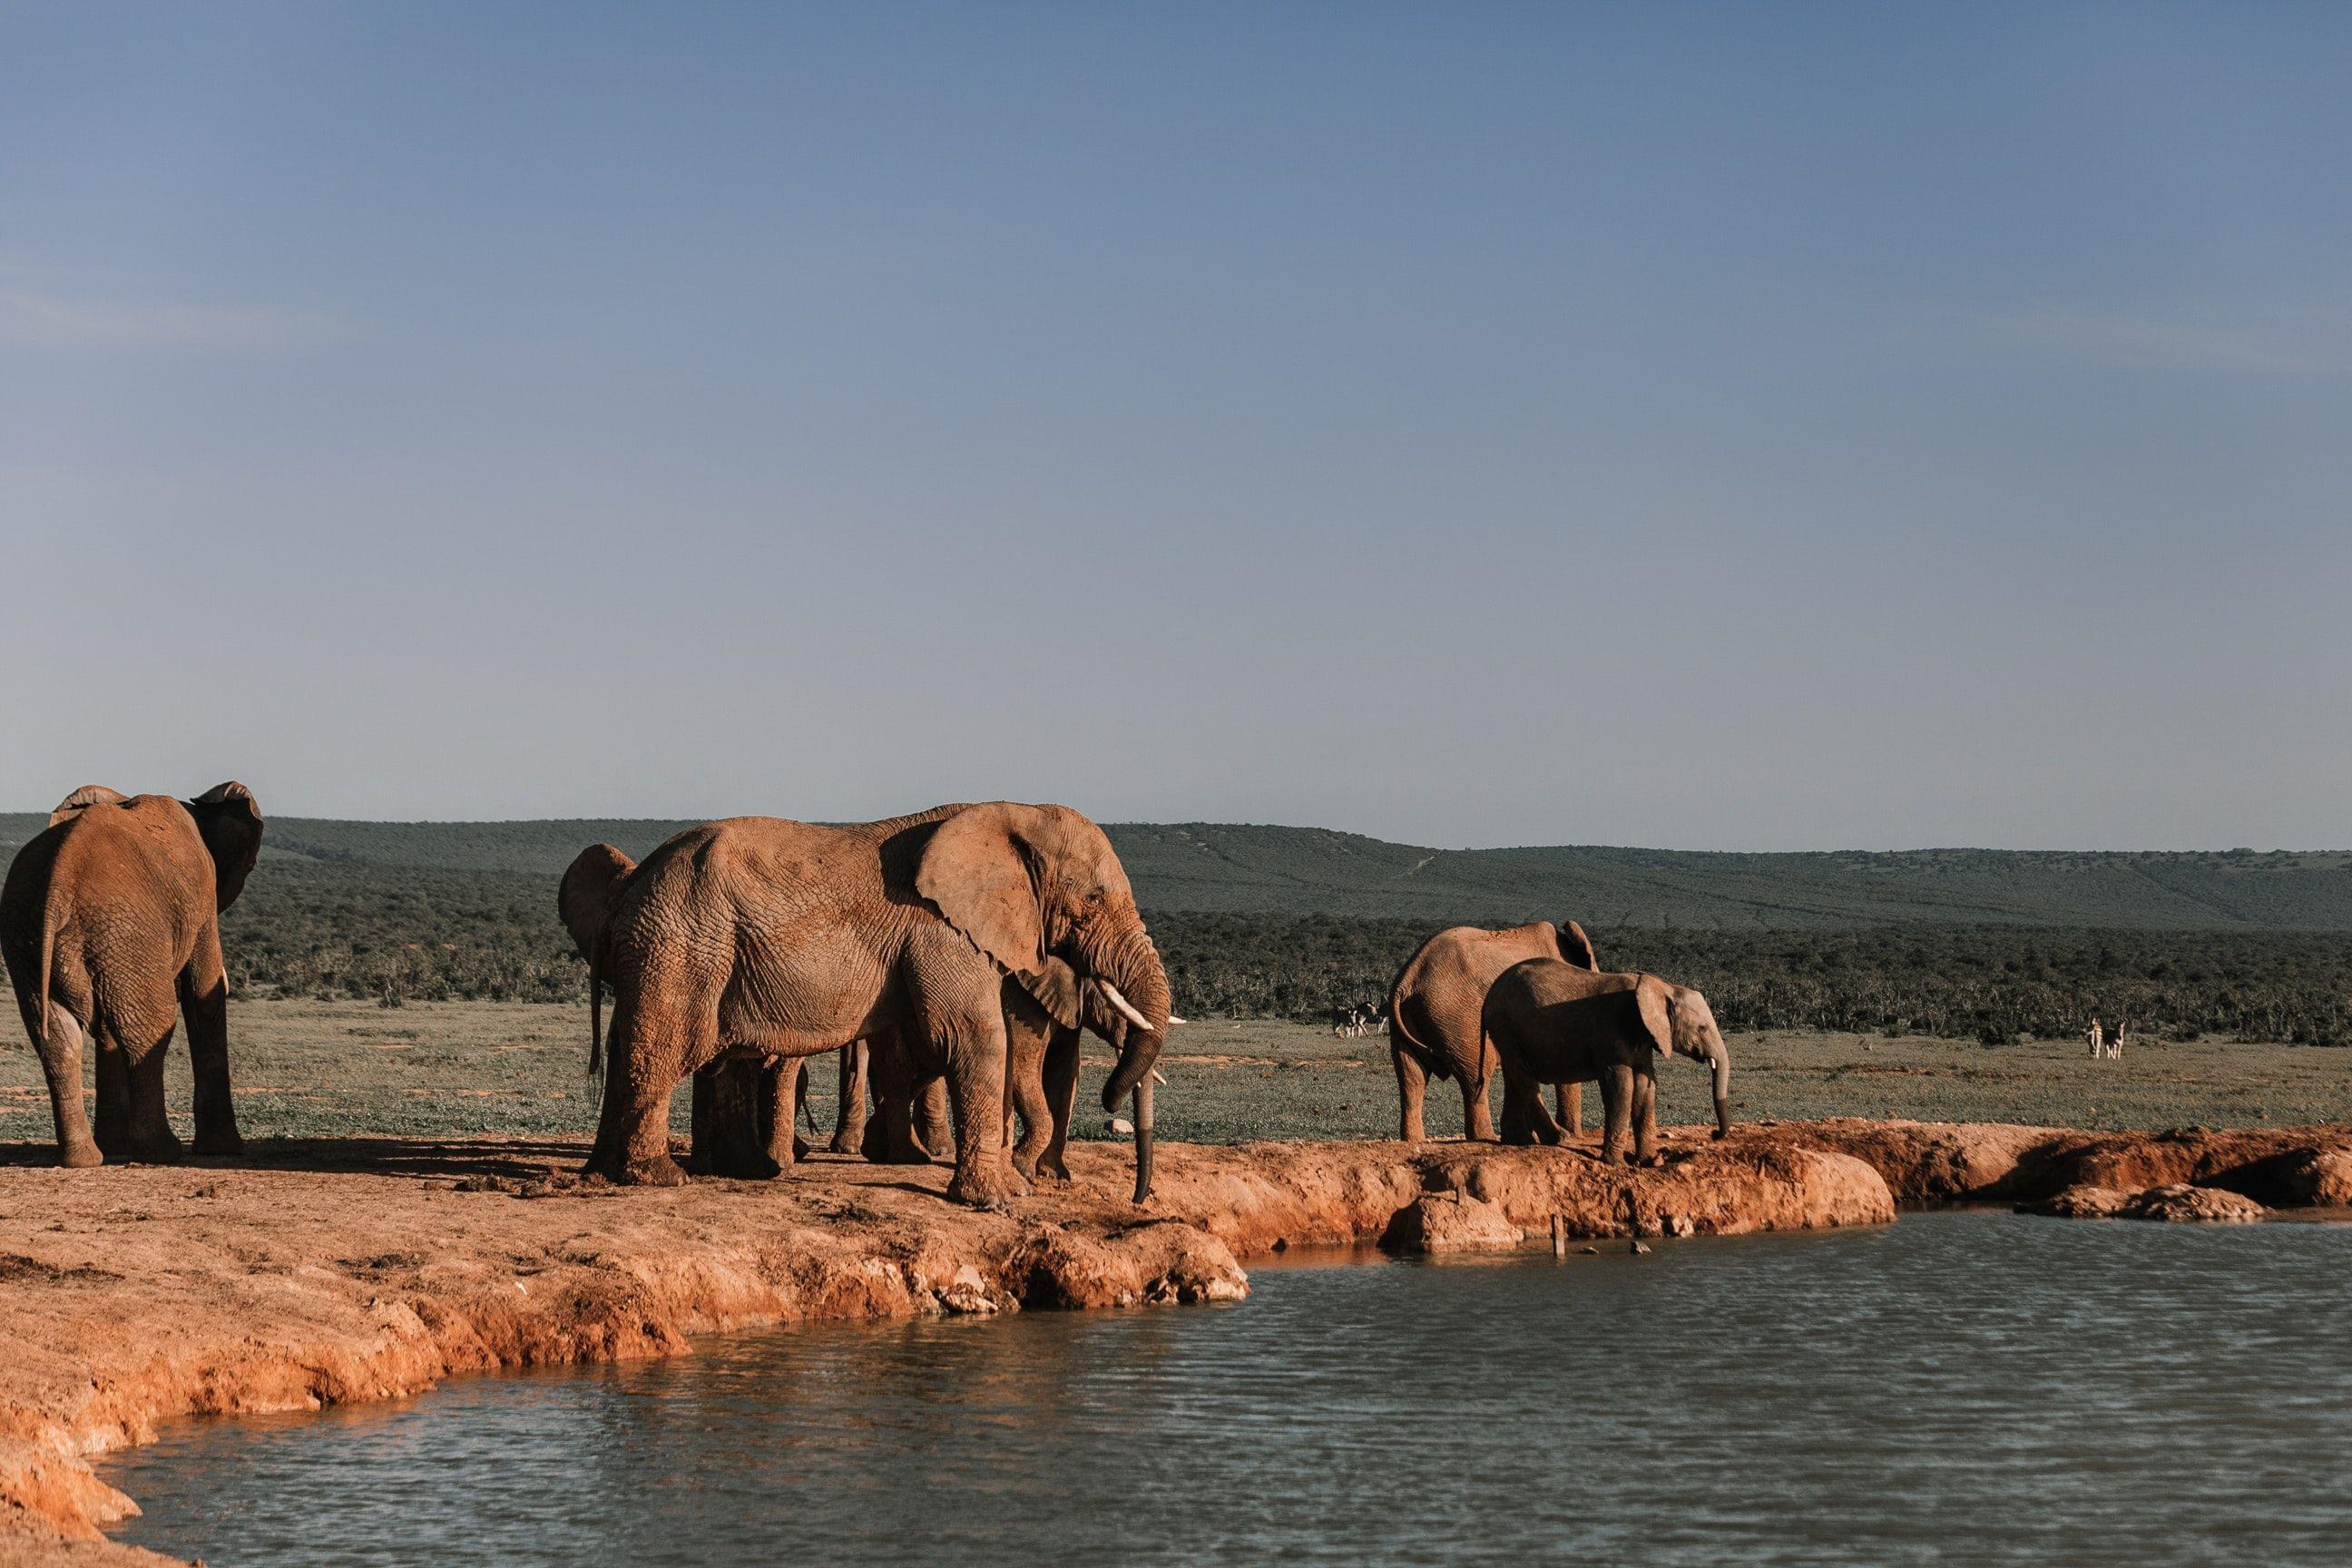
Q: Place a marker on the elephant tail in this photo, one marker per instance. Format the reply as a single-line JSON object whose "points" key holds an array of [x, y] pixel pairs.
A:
{"points": [[596, 1012], [1401, 1035], [36, 1004]]}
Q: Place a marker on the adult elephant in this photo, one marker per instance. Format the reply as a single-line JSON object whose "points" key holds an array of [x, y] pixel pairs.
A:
{"points": [[1434, 1010], [787, 939], [1556, 1023], [109, 924], [743, 1107]]}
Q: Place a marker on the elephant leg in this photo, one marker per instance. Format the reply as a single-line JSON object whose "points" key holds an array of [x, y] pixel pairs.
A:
{"points": [[931, 1120], [738, 1135], [1477, 1125], [61, 1065], [1061, 1086], [849, 1116], [891, 1137], [1571, 1097], [1525, 1120], [113, 1069], [647, 1055], [1413, 1081], [1025, 1088], [1645, 1119], [203, 1000], [1617, 1111], [702, 1137], [152, 1141], [780, 1111], [787, 1104], [975, 1051]]}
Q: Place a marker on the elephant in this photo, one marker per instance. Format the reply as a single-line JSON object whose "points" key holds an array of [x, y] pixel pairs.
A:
{"points": [[1433, 1005], [1552, 1022], [1041, 1070], [788, 938], [109, 924], [742, 1107]]}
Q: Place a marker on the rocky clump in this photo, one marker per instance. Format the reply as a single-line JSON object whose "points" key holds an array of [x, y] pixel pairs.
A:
{"points": [[2179, 1203], [1450, 1222], [2184, 1204]]}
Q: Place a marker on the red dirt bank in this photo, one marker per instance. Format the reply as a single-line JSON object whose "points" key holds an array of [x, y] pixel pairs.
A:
{"points": [[319, 1273]]}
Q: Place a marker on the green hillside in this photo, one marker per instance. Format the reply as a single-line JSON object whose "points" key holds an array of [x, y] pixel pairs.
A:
{"points": [[1209, 868]]}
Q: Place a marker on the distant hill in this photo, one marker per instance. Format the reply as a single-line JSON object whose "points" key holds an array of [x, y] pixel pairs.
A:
{"points": [[1251, 869]]}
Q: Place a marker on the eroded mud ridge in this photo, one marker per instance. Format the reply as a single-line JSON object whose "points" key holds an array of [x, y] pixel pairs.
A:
{"points": [[321, 1273]]}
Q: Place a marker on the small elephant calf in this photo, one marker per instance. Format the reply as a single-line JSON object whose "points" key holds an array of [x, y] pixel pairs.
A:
{"points": [[1553, 1022]]}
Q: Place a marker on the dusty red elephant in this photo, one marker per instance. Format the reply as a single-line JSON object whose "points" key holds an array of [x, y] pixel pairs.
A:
{"points": [[109, 923], [785, 938], [1558, 1023], [1433, 1016]]}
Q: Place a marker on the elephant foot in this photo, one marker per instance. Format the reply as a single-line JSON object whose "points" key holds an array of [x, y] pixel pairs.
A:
{"points": [[1720, 1134], [986, 1188], [800, 1148], [661, 1171], [79, 1156], [844, 1143], [162, 1150], [219, 1144], [751, 1167]]}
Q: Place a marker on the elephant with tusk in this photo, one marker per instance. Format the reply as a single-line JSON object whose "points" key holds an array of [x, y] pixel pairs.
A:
{"points": [[787, 939], [1553, 1022], [109, 923]]}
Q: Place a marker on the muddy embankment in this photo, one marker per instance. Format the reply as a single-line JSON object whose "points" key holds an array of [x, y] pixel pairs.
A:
{"points": [[313, 1273]]}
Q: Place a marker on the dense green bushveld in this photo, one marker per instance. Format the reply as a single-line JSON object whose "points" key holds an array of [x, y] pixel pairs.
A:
{"points": [[1985, 983], [431, 935], [1242, 868]]}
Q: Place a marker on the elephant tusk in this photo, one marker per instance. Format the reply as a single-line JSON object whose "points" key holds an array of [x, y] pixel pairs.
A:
{"points": [[1159, 1077], [1125, 1007], [1174, 1019]]}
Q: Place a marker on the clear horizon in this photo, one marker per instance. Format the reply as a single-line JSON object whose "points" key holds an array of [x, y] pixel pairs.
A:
{"points": [[1697, 428]]}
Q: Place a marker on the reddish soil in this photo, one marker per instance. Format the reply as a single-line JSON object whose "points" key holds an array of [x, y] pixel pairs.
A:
{"points": [[312, 1273]]}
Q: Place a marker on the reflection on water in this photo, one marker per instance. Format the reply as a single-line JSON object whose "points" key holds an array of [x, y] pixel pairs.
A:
{"points": [[1956, 1388]]}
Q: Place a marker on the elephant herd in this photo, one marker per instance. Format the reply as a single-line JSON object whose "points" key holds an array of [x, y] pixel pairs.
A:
{"points": [[952, 958]]}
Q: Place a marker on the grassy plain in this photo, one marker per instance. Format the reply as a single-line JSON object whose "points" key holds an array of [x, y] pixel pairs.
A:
{"points": [[311, 1069]]}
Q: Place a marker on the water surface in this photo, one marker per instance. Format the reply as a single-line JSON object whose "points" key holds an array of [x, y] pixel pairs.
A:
{"points": [[1955, 1388]]}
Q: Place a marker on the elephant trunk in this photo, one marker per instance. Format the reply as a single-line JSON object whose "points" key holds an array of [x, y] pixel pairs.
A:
{"points": [[1132, 964], [1143, 1138], [1721, 1062]]}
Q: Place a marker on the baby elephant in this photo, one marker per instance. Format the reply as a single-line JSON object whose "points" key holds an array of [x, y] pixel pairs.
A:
{"points": [[1555, 1023]]}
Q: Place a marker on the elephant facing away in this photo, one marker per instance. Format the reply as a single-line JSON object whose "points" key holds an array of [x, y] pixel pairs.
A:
{"points": [[742, 1107], [109, 924], [787, 939], [1434, 1015], [1553, 1022]]}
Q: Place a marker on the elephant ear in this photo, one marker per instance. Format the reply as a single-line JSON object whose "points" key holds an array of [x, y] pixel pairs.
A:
{"points": [[1058, 990], [229, 821], [980, 872], [83, 799], [1653, 1006], [584, 897], [1577, 948]]}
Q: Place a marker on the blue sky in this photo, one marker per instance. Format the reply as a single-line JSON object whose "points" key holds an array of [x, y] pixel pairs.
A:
{"points": [[1764, 427]]}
